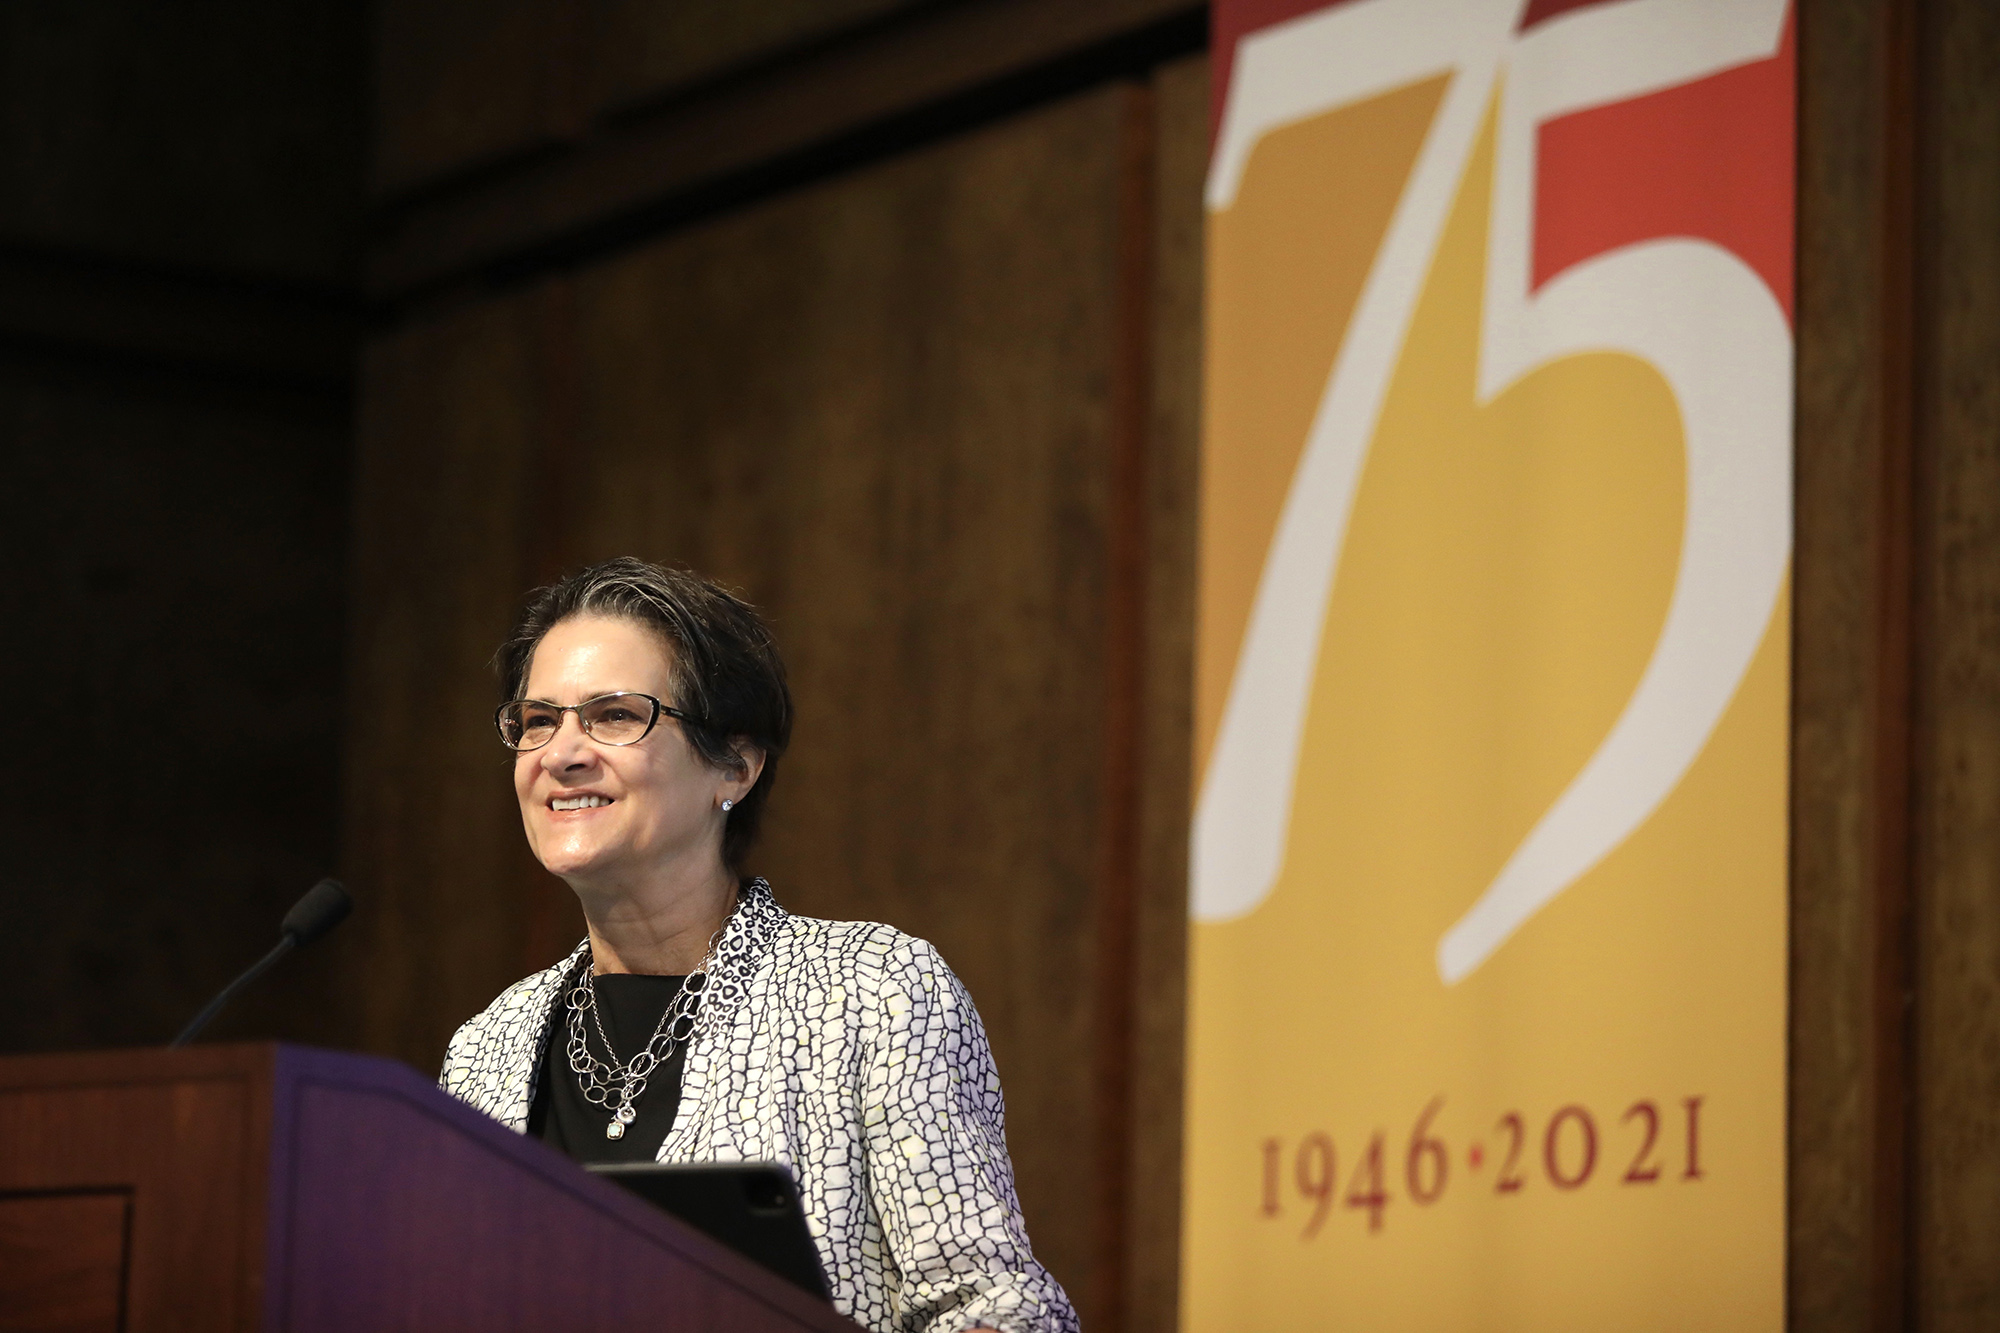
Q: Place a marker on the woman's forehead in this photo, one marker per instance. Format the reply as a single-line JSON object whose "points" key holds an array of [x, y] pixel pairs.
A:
{"points": [[598, 654]]}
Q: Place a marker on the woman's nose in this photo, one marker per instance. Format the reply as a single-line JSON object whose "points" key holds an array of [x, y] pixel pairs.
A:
{"points": [[569, 748]]}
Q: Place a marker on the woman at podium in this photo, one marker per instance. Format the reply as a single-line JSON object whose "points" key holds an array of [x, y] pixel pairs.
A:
{"points": [[698, 1020]]}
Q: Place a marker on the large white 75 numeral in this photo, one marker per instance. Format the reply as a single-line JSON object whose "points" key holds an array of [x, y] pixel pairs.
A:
{"points": [[1694, 311]]}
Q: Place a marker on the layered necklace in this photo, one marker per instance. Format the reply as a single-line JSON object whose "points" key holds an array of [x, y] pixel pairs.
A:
{"points": [[617, 1086]]}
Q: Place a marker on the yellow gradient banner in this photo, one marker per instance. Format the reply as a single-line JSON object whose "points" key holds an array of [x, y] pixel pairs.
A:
{"points": [[1489, 944]]}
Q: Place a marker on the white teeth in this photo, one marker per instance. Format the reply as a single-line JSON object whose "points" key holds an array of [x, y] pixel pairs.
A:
{"points": [[578, 802]]}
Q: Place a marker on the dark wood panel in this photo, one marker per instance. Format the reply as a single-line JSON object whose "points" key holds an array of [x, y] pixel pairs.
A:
{"points": [[461, 82], [640, 51], [62, 1261], [179, 581], [1153, 1198], [737, 126], [1896, 1011], [1851, 705], [182, 1135], [1127, 535], [458, 86], [1956, 1113], [226, 136]]}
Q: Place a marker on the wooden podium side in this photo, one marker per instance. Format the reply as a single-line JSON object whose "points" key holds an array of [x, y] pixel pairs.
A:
{"points": [[281, 1188]]}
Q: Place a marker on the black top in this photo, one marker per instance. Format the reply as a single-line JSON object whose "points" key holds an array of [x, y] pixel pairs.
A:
{"points": [[631, 1006]]}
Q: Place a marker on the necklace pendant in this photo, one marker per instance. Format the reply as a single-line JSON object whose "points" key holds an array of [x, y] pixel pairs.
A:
{"points": [[615, 1130]]}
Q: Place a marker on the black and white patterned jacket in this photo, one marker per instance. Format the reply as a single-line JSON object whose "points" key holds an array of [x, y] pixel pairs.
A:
{"points": [[854, 1056]]}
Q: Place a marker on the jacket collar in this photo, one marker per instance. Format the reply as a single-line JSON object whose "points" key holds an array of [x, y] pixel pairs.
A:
{"points": [[514, 1061]]}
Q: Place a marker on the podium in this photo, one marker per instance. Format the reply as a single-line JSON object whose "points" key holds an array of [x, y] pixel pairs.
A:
{"points": [[268, 1187]]}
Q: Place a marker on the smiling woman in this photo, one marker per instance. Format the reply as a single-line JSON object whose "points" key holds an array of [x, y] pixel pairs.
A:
{"points": [[698, 1020]]}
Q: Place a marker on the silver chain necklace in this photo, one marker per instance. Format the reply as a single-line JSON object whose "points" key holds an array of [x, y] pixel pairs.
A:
{"points": [[617, 1087]]}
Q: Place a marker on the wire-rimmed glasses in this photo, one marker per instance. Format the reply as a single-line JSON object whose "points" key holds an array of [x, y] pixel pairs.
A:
{"points": [[623, 717]]}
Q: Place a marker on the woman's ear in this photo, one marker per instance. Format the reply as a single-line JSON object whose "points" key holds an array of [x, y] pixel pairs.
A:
{"points": [[748, 768]]}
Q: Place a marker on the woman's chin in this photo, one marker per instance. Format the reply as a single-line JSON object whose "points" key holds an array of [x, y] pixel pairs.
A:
{"points": [[570, 862]]}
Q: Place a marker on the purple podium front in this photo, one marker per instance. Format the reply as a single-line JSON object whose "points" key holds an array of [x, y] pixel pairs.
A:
{"points": [[283, 1188]]}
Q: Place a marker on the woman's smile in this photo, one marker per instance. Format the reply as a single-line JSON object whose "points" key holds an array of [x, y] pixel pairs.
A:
{"points": [[583, 801]]}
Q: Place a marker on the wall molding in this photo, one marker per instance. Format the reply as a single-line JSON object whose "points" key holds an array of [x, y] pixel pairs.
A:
{"points": [[123, 317], [877, 92]]}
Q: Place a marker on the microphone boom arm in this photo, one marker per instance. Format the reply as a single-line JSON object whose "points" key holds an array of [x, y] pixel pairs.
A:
{"points": [[325, 906], [285, 945]]}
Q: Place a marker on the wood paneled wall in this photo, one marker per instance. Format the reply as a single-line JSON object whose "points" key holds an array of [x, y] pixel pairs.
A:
{"points": [[1849, 692], [462, 84], [1954, 1271], [1153, 1193], [223, 140], [1895, 1135], [935, 409], [543, 132], [180, 634], [936, 416], [180, 197]]}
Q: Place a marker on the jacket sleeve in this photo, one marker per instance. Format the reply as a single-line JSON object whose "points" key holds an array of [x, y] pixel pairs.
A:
{"points": [[938, 1170]]}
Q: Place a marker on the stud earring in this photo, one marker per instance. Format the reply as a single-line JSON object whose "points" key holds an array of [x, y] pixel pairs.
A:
{"points": [[725, 806]]}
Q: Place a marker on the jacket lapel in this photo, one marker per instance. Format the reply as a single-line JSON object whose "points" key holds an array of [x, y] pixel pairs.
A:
{"points": [[506, 1076]]}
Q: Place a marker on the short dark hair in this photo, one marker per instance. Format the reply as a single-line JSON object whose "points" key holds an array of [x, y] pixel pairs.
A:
{"points": [[726, 669]]}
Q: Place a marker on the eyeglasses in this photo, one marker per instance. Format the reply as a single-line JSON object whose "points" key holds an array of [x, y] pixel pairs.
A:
{"points": [[623, 718]]}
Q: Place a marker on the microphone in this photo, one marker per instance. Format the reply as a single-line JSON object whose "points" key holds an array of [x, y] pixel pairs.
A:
{"points": [[325, 906]]}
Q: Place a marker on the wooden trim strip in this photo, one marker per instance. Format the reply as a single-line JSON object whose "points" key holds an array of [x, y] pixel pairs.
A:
{"points": [[1893, 872], [886, 89], [1124, 715], [90, 309]]}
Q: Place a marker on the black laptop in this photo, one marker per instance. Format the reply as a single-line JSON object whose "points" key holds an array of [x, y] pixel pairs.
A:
{"points": [[752, 1207]]}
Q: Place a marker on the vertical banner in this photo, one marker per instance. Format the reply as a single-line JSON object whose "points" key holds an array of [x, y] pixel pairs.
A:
{"points": [[1489, 947]]}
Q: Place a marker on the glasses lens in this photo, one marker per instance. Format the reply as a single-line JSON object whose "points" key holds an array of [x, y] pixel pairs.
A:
{"points": [[526, 725], [618, 719]]}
